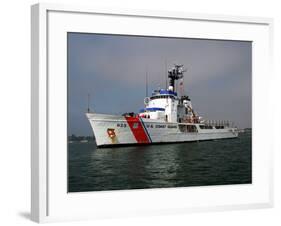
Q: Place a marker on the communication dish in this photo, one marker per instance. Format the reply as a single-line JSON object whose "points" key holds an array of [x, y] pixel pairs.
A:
{"points": [[146, 100]]}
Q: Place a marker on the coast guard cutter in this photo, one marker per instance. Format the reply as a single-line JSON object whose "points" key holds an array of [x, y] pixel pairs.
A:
{"points": [[166, 118]]}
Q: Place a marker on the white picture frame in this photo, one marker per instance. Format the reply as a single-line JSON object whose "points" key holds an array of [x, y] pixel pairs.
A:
{"points": [[50, 200]]}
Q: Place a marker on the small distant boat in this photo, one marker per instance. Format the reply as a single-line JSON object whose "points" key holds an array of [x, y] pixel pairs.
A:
{"points": [[84, 141], [166, 118]]}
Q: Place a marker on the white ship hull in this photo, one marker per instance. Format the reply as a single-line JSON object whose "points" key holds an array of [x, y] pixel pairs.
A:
{"points": [[113, 130]]}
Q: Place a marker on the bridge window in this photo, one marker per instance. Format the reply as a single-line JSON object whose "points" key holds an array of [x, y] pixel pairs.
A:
{"points": [[162, 97]]}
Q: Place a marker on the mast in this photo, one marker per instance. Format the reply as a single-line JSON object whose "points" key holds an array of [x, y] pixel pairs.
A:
{"points": [[175, 74], [146, 85], [165, 74]]}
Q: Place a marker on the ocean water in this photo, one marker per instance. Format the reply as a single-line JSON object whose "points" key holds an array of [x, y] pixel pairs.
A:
{"points": [[217, 162]]}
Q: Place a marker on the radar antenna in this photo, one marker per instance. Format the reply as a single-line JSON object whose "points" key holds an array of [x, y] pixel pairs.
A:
{"points": [[175, 74]]}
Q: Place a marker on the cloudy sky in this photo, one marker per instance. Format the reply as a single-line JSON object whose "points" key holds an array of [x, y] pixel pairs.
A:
{"points": [[112, 69]]}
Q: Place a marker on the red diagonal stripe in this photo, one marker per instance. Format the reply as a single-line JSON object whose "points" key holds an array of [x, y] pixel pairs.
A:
{"points": [[137, 129]]}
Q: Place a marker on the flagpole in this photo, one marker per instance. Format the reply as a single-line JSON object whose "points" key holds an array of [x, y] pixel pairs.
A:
{"points": [[88, 102]]}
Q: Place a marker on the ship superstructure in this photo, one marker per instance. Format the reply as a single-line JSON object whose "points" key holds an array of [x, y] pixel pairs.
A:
{"points": [[167, 117]]}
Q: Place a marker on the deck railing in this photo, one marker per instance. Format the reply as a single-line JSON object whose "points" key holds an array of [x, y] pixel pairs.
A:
{"points": [[225, 123]]}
